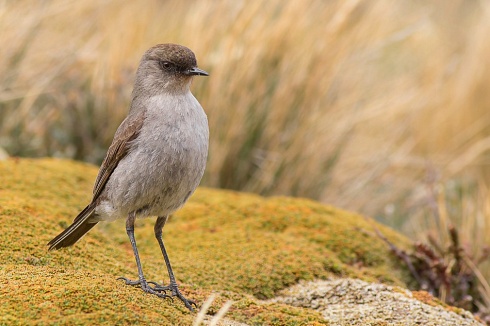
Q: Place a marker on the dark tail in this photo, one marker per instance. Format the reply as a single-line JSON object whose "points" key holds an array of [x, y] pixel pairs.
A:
{"points": [[76, 230]]}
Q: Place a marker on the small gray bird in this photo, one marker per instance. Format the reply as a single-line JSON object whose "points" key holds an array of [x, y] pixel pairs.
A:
{"points": [[156, 160]]}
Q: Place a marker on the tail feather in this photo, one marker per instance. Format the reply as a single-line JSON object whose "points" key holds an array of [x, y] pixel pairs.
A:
{"points": [[76, 230]]}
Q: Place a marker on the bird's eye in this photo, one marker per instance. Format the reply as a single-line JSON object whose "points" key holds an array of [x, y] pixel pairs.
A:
{"points": [[166, 65]]}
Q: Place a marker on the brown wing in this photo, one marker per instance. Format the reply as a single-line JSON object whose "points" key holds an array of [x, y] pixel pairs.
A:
{"points": [[127, 131]]}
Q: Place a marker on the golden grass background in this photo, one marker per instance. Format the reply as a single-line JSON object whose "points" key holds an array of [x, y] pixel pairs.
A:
{"points": [[381, 107]]}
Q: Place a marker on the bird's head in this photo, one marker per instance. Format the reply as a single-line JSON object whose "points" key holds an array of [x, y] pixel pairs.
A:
{"points": [[167, 68]]}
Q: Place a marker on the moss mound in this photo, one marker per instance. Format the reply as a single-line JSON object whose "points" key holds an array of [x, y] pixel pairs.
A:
{"points": [[243, 246]]}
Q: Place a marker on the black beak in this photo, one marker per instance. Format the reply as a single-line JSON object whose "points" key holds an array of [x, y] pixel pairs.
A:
{"points": [[196, 72]]}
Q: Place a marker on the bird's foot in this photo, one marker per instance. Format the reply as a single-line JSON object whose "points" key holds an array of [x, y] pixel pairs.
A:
{"points": [[156, 290], [176, 293]]}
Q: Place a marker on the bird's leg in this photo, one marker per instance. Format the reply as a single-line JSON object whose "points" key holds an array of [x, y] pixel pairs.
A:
{"points": [[173, 287], [141, 281]]}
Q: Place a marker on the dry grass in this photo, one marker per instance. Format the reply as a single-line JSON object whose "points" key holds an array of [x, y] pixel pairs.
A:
{"points": [[350, 102]]}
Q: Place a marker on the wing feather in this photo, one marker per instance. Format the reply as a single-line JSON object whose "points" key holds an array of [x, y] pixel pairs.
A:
{"points": [[127, 131]]}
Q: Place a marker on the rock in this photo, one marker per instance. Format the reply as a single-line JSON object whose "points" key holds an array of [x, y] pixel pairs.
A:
{"points": [[356, 302]]}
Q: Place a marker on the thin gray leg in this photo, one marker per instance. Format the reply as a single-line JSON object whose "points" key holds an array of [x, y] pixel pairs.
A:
{"points": [[160, 223]]}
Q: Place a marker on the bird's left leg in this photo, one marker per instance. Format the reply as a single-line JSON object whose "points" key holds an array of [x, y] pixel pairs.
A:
{"points": [[173, 287]]}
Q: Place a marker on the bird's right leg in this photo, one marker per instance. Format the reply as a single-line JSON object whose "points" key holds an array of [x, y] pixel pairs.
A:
{"points": [[141, 281]]}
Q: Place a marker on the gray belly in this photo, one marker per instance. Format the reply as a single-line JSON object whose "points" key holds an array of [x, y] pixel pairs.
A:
{"points": [[156, 177]]}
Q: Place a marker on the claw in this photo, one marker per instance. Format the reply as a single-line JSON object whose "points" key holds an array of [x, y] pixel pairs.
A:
{"points": [[128, 281], [188, 303]]}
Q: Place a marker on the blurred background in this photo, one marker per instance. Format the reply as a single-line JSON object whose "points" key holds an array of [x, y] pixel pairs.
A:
{"points": [[379, 107]]}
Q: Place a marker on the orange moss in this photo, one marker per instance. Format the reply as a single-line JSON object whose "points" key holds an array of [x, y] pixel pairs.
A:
{"points": [[427, 298], [244, 246]]}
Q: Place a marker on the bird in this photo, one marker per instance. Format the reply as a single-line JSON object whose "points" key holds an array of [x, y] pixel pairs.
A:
{"points": [[156, 160]]}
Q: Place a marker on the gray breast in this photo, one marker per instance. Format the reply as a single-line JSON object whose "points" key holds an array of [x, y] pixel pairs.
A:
{"points": [[165, 163]]}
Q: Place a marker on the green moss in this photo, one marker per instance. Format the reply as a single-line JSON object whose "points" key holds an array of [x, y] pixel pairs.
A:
{"points": [[243, 246]]}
